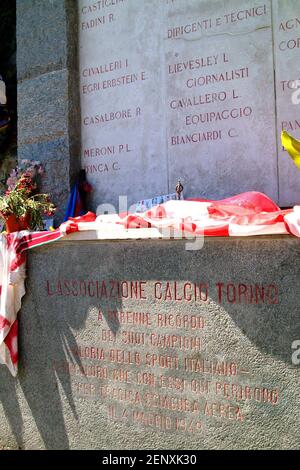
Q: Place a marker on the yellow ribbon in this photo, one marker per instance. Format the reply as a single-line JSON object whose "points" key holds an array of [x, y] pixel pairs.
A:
{"points": [[292, 146]]}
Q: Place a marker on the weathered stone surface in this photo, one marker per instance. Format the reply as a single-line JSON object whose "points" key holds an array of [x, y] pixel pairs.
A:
{"points": [[52, 405], [42, 33], [43, 124], [43, 108], [48, 98], [287, 47]]}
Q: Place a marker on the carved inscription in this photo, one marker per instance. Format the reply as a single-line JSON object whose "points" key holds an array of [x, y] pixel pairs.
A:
{"points": [[155, 366]]}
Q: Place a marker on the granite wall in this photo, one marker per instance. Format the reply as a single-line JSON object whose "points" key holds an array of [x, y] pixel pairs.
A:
{"points": [[48, 98]]}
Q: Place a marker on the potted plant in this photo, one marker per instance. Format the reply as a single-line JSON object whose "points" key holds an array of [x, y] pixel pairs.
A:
{"points": [[22, 207]]}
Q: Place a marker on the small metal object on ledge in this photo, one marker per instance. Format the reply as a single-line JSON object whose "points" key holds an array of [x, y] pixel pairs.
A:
{"points": [[179, 190]]}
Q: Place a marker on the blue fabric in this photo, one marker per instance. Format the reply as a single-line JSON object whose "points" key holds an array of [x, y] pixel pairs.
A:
{"points": [[72, 203]]}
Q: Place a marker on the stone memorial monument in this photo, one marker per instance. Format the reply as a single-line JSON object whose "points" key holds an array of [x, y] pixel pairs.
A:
{"points": [[144, 344]]}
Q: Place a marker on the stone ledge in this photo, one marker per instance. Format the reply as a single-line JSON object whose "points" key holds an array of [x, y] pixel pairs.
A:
{"points": [[154, 234]]}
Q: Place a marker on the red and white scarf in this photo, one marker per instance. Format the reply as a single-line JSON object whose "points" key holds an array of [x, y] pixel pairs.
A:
{"points": [[243, 215]]}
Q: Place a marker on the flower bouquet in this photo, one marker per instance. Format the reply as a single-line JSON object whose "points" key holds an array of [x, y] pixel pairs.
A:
{"points": [[22, 207]]}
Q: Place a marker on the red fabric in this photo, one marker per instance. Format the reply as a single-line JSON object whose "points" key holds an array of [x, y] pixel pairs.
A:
{"points": [[216, 231], [244, 204], [11, 342], [251, 208], [72, 223]]}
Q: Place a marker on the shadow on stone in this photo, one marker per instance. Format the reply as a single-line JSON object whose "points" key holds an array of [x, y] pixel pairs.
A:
{"points": [[50, 328], [11, 407]]}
